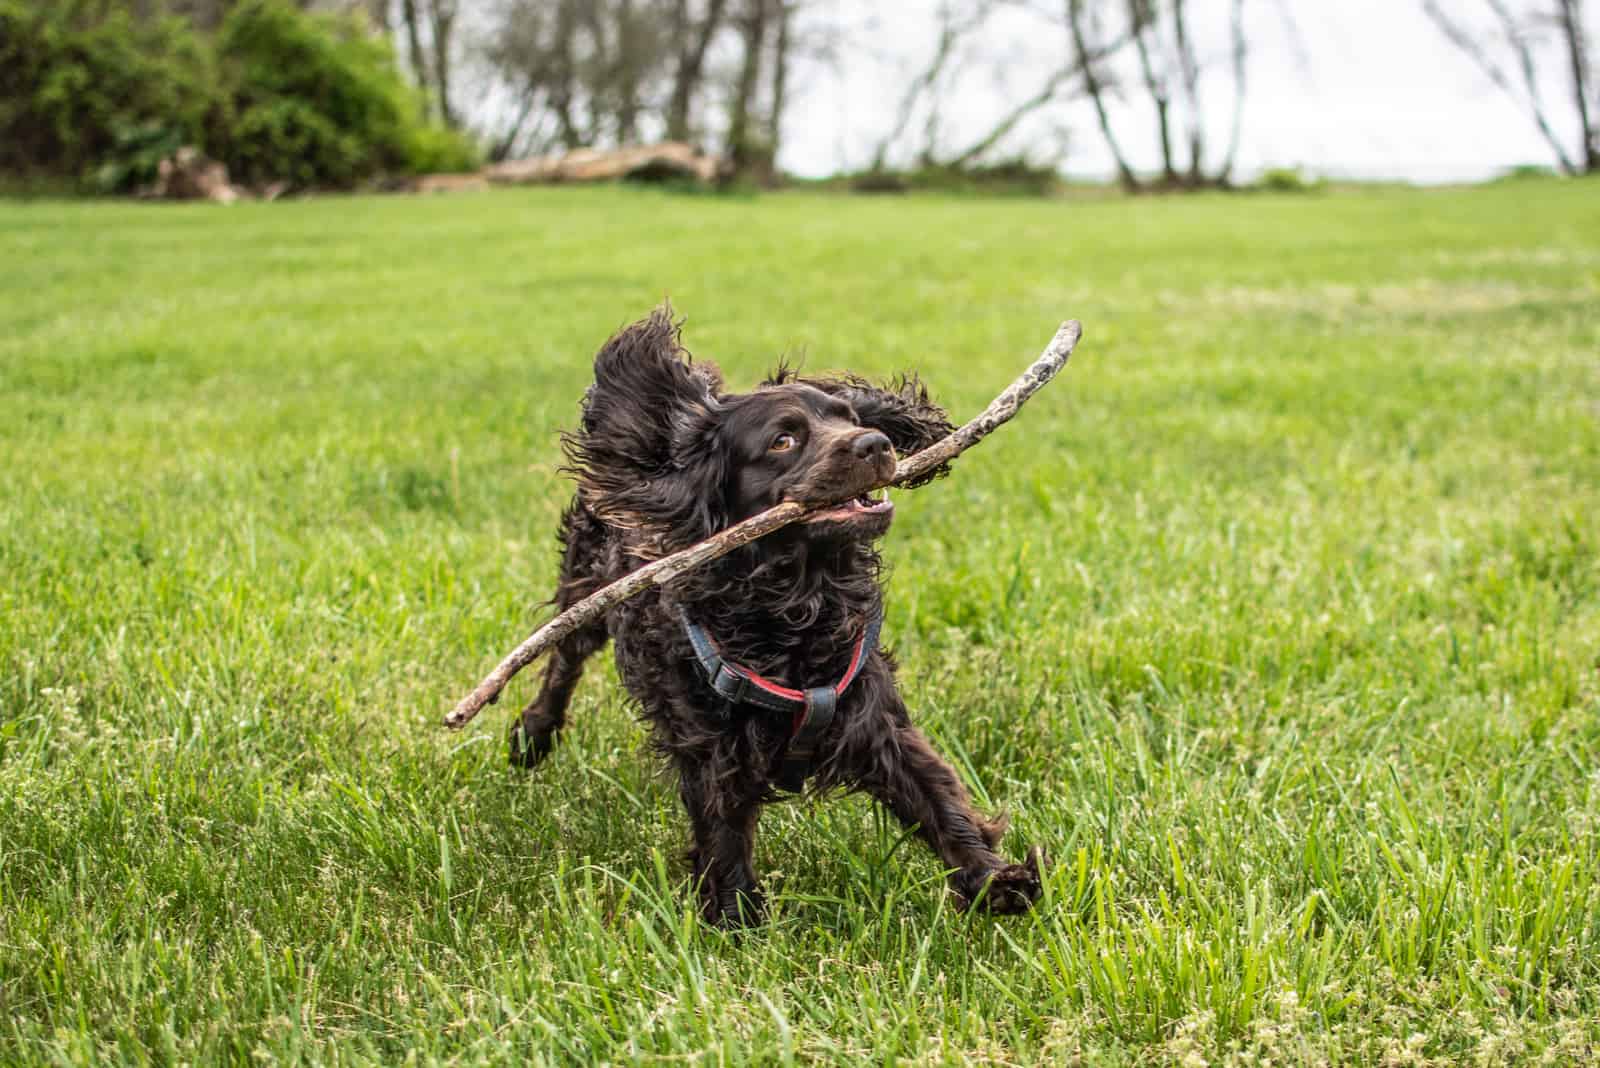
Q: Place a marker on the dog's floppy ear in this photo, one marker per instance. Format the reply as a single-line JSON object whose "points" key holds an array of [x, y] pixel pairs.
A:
{"points": [[644, 458], [901, 408]]}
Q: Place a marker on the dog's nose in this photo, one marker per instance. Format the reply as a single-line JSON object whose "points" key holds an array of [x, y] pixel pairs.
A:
{"points": [[871, 445]]}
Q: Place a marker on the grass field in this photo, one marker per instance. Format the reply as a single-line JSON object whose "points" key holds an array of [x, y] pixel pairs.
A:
{"points": [[1276, 620]]}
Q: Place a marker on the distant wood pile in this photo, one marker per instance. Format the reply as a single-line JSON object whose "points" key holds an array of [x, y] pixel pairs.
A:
{"points": [[189, 174], [668, 159]]}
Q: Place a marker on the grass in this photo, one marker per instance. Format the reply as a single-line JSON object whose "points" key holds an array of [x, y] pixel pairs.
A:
{"points": [[1276, 620]]}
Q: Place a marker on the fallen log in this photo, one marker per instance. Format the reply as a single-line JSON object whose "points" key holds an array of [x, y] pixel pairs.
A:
{"points": [[664, 570], [666, 159]]}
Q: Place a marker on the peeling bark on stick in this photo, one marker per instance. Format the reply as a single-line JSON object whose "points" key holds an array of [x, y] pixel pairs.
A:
{"points": [[664, 570]]}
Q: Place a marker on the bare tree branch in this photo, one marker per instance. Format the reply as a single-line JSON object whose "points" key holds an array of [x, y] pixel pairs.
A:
{"points": [[442, 19], [1571, 22], [1239, 54], [1142, 18], [1092, 83], [694, 39], [506, 142], [626, 72], [752, 23], [419, 65], [780, 76], [1189, 66], [997, 133], [1463, 39], [951, 32]]}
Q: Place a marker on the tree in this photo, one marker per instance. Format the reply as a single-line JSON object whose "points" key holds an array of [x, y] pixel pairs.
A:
{"points": [[582, 72], [752, 23], [1502, 37], [956, 22], [781, 49], [592, 73], [629, 67], [1096, 88], [1167, 68], [441, 23], [410, 15], [961, 49], [693, 37]]}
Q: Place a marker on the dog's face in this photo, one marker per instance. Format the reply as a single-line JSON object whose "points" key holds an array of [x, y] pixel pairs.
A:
{"points": [[665, 456], [794, 442]]}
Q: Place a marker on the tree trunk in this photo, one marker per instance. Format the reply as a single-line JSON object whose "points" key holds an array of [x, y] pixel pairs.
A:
{"points": [[563, 74], [627, 74], [1225, 171], [753, 31], [1571, 19], [502, 148], [599, 85], [1190, 68], [444, 17], [780, 77], [1091, 83], [1142, 17], [419, 66], [693, 43], [378, 15]]}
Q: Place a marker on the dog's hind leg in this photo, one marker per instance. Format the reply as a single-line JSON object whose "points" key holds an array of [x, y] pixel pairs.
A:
{"points": [[533, 733]]}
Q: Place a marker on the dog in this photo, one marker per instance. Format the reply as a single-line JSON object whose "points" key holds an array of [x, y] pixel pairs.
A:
{"points": [[759, 674]]}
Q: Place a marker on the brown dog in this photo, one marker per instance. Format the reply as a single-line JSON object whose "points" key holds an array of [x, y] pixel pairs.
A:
{"points": [[760, 672]]}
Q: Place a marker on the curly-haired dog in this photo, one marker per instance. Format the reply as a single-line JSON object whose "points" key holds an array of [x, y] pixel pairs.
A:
{"points": [[760, 671]]}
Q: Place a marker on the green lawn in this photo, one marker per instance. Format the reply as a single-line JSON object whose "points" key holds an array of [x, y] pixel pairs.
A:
{"points": [[1276, 620]]}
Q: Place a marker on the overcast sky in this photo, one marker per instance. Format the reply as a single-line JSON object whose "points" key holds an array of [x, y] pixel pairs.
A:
{"points": [[1354, 88]]}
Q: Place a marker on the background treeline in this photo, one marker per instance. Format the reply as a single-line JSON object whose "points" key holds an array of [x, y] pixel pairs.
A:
{"points": [[330, 93], [97, 92]]}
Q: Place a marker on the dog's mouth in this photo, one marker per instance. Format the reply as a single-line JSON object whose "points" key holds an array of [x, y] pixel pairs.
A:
{"points": [[865, 506]]}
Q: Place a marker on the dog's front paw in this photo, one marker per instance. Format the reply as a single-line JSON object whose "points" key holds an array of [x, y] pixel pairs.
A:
{"points": [[1011, 889], [734, 909], [533, 735]]}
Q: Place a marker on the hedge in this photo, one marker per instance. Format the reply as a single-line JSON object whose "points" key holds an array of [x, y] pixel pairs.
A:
{"points": [[276, 94]]}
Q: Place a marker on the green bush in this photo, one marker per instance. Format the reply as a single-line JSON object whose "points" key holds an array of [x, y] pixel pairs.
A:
{"points": [[319, 102], [136, 155], [70, 96], [1524, 172], [1008, 177], [434, 149], [276, 95], [1287, 180]]}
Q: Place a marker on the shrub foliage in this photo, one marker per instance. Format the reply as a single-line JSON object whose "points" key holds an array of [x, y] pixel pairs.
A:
{"points": [[277, 94]]}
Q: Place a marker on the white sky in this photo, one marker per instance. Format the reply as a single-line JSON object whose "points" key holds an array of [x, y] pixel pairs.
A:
{"points": [[1366, 88]]}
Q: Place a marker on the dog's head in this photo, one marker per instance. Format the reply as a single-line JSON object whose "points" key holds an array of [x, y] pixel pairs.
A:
{"points": [[665, 454]]}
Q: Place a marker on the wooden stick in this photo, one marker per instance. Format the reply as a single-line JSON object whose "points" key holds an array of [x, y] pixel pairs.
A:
{"points": [[664, 570]]}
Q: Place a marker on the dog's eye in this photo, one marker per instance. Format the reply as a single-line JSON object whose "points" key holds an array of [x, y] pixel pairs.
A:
{"points": [[782, 443]]}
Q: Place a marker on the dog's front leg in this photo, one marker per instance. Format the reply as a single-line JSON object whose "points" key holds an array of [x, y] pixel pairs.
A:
{"points": [[722, 819], [920, 788]]}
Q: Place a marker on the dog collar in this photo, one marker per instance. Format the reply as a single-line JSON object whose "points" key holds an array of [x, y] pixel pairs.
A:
{"points": [[809, 711]]}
